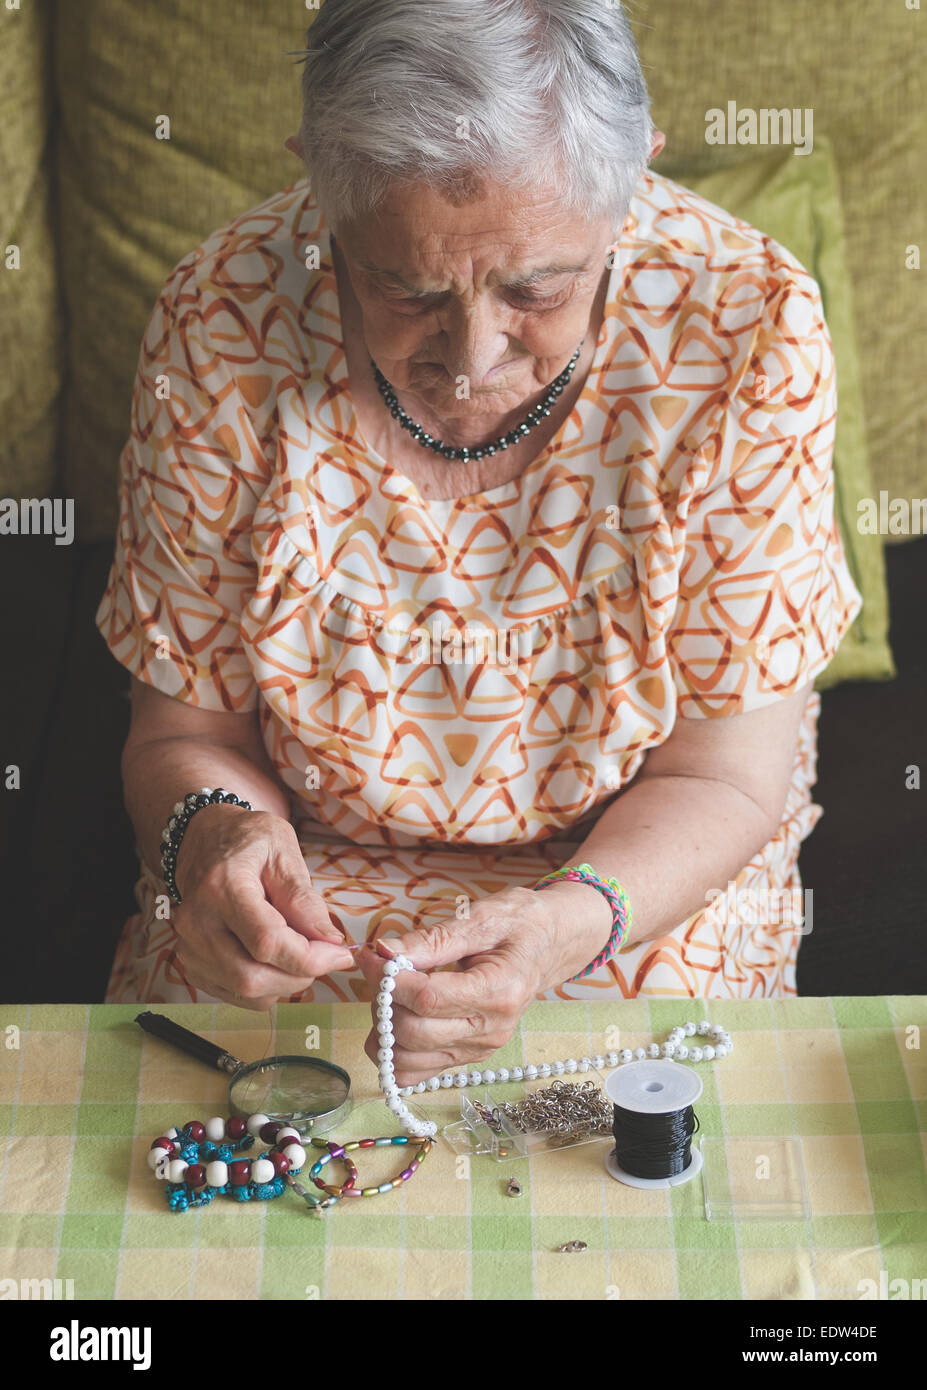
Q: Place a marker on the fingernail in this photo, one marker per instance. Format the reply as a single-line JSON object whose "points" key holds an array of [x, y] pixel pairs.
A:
{"points": [[389, 948]]}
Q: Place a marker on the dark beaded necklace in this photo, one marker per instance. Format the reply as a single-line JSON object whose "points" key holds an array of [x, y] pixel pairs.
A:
{"points": [[427, 441]]}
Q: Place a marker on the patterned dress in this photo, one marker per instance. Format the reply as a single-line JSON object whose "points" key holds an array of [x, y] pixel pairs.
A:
{"points": [[453, 691]]}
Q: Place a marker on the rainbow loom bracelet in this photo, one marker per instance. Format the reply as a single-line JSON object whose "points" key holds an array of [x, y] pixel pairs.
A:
{"points": [[618, 900]]}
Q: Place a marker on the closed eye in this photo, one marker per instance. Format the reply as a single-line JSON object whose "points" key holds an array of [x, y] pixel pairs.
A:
{"points": [[538, 302], [531, 302]]}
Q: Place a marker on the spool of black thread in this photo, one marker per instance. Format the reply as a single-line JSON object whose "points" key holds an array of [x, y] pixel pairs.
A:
{"points": [[654, 1146], [654, 1123]]}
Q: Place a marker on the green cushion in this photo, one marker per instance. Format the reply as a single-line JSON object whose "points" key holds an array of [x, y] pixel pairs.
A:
{"points": [[859, 68], [132, 205], [31, 347], [795, 200]]}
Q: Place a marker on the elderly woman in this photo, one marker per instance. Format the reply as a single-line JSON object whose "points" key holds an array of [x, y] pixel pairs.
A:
{"points": [[477, 520]]}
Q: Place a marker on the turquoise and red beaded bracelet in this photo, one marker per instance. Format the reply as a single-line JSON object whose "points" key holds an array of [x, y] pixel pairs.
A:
{"points": [[617, 899], [197, 1162]]}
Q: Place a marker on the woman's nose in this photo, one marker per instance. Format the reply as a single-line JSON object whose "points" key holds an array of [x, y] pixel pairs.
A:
{"points": [[477, 341]]}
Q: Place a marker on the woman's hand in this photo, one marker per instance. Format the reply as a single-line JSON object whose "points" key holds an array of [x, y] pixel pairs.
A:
{"points": [[251, 927], [512, 946]]}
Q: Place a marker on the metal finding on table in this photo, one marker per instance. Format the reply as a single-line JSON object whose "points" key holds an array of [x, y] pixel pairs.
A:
{"points": [[568, 1110]]}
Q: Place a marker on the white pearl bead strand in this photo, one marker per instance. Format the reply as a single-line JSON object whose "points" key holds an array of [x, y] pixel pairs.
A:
{"points": [[718, 1045]]}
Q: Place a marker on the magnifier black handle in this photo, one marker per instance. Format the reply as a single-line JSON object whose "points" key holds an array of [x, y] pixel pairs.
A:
{"points": [[192, 1043]]}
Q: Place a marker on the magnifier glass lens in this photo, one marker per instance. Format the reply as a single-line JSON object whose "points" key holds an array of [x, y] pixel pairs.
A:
{"points": [[287, 1088]]}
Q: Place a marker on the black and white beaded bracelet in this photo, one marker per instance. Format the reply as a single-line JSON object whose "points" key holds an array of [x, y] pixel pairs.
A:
{"points": [[174, 831]]}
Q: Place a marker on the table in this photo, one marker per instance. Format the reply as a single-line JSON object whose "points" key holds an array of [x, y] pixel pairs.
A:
{"points": [[83, 1092]]}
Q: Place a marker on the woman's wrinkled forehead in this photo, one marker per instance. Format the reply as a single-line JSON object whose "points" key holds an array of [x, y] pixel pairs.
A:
{"points": [[418, 236]]}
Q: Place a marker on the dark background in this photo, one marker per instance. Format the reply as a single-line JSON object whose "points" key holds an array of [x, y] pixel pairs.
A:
{"points": [[70, 856]]}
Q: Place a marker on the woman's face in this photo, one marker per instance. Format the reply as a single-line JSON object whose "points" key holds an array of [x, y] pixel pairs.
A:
{"points": [[497, 291]]}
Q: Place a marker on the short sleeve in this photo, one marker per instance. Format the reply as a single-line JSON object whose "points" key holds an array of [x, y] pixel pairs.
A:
{"points": [[183, 568], [764, 594]]}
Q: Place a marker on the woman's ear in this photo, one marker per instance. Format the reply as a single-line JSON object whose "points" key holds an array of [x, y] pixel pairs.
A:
{"points": [[659, 140], [292, 144]]}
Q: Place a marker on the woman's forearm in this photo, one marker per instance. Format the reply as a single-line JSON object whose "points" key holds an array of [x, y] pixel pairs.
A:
{"points": [[668, 840], [160, 772]]}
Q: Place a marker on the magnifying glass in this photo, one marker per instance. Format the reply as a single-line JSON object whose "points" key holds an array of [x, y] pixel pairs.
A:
{"points": [[306, 1092]]}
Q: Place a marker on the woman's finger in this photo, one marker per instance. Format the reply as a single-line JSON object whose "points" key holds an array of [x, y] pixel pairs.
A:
{"points": [[455, 939], [501, 918], [208, 988], [223, 959], [415, 1033], [412, 1067], [491, 986], [290, 890], [268, 940]]}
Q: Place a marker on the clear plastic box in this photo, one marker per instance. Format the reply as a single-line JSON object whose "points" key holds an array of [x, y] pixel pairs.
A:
{"points": [[753, 1179], [472, 1135]]}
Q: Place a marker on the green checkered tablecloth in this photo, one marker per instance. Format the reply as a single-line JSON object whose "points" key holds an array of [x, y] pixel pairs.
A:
{"points": [[83, 1092]]}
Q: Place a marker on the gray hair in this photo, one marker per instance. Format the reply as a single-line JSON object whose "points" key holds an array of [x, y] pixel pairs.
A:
{"points": [[451, 92]]}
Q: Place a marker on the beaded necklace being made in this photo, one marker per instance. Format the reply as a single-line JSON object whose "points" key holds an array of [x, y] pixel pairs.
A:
{"points": [[675, 1047]]}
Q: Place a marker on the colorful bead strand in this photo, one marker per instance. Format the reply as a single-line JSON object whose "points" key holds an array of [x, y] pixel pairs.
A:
{"points": [[340, 1151]]}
